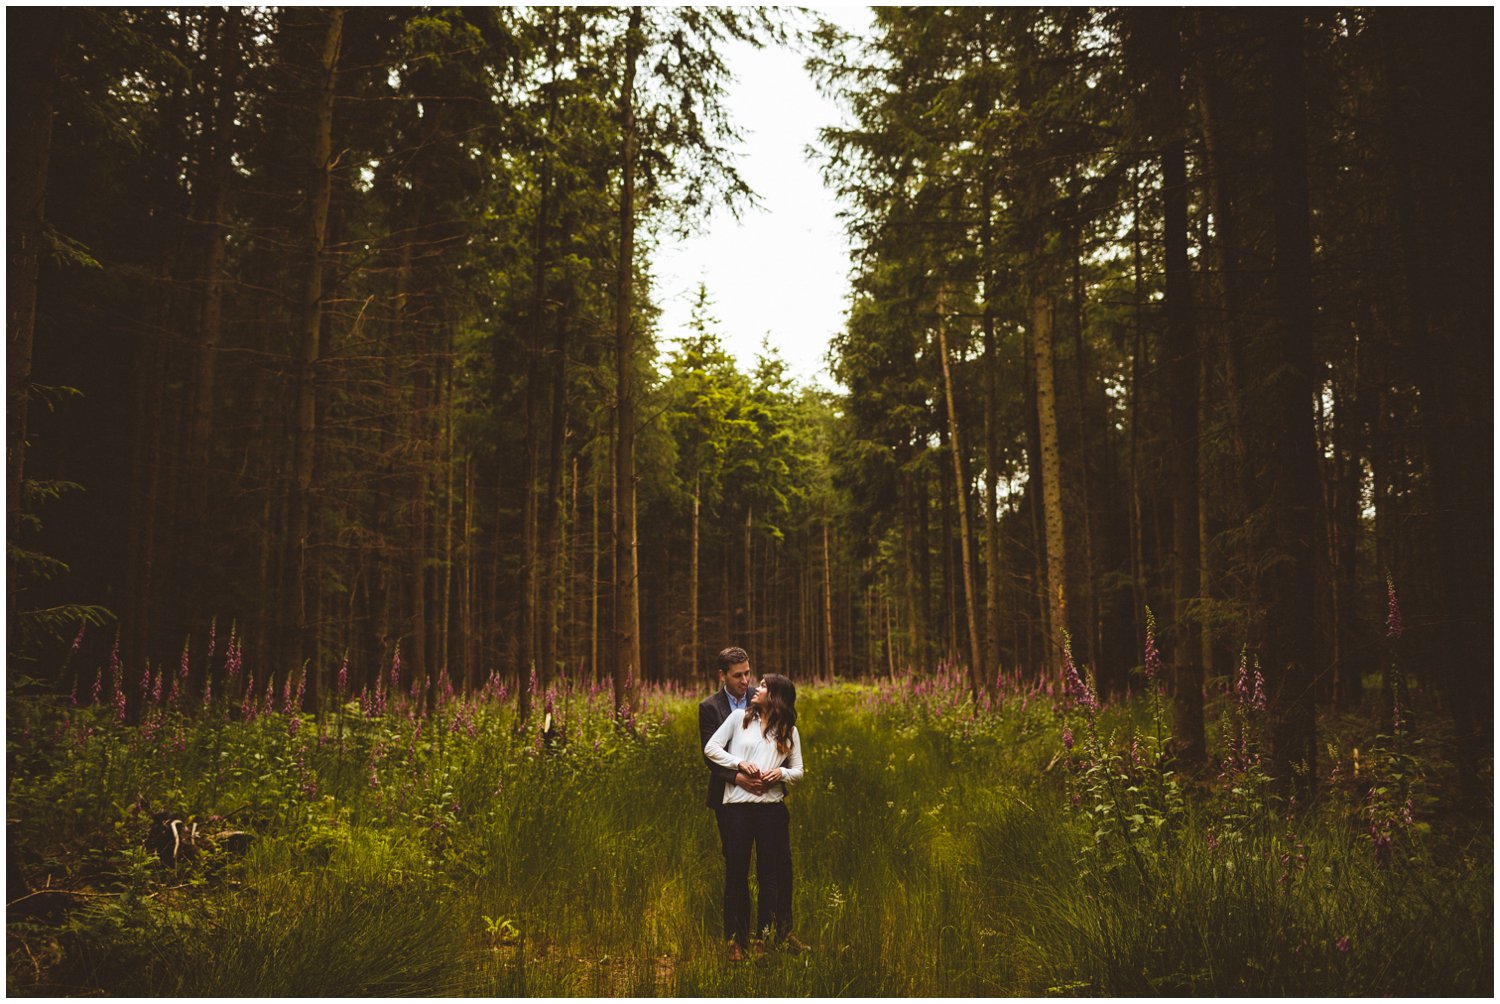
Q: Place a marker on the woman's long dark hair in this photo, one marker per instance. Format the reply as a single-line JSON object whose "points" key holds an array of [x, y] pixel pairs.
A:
{"points": [[779, 714]]}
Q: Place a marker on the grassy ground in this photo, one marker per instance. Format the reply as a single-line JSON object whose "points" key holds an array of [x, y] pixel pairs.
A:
{"points": [[937, 852]]}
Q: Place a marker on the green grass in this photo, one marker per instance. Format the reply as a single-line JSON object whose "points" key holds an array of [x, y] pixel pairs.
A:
{"points": [[936, 852]]}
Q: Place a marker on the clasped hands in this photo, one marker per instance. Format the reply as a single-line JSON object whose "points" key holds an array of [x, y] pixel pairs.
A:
{"points": [[756, 781]]}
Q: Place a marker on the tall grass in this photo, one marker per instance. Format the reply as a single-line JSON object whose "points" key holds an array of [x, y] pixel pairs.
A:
{"points": [[937, 851]]}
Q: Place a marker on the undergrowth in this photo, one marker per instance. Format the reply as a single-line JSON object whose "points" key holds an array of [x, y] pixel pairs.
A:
{"points": [[1039, 843]]}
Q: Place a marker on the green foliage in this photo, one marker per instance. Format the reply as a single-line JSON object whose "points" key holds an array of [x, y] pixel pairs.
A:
{"points": [[938, 851]]}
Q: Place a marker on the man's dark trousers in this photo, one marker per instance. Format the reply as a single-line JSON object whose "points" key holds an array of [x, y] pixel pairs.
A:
{"points": [[711, 714]]}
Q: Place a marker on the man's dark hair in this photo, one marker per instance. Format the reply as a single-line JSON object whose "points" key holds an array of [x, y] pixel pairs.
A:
{"points": [[732, 656]]}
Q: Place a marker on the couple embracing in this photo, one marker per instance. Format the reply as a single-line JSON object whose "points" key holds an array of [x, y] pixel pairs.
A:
{"points": [[754, 753]]}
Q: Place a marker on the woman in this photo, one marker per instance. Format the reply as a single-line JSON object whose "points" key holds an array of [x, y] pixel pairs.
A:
{"points": [[764, 745]]}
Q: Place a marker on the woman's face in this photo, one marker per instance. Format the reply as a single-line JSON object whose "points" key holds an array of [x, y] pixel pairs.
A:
{"points": [[759, 697]]}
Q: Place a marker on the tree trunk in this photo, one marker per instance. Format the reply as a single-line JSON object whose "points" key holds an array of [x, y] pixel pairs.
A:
{"points": [[1446, 254], [218, 161], [537, 320], [993, 571], [911, 581], [33, 81], [1084, 534], [749, 594], [828, 665], [467, 627], [1051, 458], [596, 501], [300, 563], [1293, 513], [694, 655], [445, 617], [1182, 366], [553, 506], [627, 611], [551, 516], [976, 666], [1137, 414], [951, 602], [1344, 527]]}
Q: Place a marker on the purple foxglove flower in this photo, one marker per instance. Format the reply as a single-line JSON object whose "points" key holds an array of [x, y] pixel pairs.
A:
{"points": [[232, 654], [1393, 625], [1153, 656]]}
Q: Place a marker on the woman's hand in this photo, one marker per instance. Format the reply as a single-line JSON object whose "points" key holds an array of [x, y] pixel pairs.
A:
{"points": [[749, 769], [771, 776]]}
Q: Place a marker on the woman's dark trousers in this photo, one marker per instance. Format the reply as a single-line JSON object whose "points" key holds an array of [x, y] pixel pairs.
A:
{"points": [[765, 826]]}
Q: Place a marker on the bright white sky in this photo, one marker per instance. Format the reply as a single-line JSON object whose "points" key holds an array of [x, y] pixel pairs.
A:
{"points": [[782, 271]]}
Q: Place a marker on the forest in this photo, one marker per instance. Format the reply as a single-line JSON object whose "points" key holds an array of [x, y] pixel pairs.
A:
{"points": [[362, 511]]}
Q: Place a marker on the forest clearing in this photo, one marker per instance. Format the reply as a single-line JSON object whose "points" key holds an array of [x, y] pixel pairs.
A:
{"points": [[378, 499], [1032, 845]]}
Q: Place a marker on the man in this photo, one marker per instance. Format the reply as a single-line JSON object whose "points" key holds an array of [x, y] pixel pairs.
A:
{"points": [[732, 698]]}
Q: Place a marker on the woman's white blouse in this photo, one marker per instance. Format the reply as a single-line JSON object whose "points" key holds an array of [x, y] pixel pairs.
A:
{"points": [[734, 744]]}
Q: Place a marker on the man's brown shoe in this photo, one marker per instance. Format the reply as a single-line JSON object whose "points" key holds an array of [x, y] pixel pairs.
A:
{"points": [[736, 953]]}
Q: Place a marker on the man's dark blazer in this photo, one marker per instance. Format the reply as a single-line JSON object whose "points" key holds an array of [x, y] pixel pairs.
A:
{"points": [[711, 714]]}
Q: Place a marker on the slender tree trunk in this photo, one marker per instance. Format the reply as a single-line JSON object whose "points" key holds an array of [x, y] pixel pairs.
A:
{"points": [[145, 498], [951, 603], [1182, 365], [310, 329], [1290, 629], [445, 619], [211, 212], [598, 499], [1052, 506], [749, 594], [572, 539], [1084, 535], [1219, 161], [988, 292], [466, 602], [910, 581], [1344, 526], [1452, 363], [627, 615], [33, 83], [153, 462], [976, 665], [993, 570], [694, 654], [548, 561], [553, 506], [828, 664], [537, 319], [1137, 413]]}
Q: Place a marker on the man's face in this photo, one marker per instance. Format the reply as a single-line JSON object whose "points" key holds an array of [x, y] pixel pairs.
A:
{"points": [[737, 679]]}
